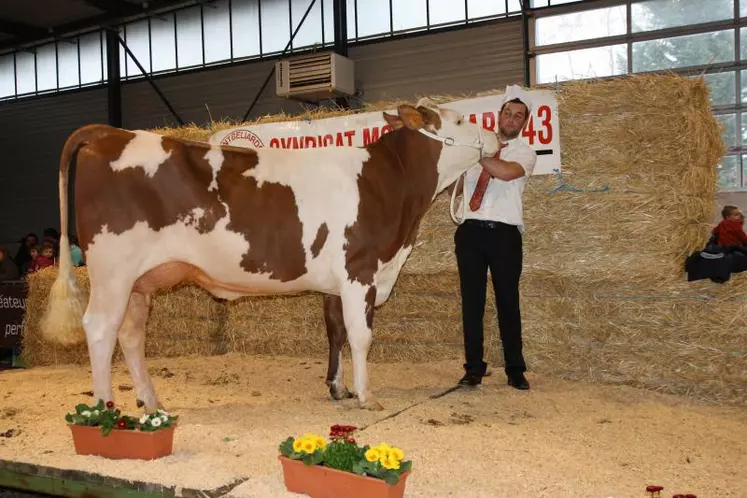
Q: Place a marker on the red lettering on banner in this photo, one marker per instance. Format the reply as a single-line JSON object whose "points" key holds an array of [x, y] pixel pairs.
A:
{"points": [[473, 118], [274, 142], [545, 136], [328, 140], [488, 120], [371, 135], [349, 135]]}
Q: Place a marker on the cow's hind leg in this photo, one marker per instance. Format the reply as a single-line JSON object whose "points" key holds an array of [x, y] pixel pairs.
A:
{"points": [[101, 321], [132, 342], [358, 308], [336, 333]]}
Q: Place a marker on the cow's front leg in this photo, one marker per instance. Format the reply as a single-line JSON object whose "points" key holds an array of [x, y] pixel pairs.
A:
{"points": [[336, 334], [358, 308]]}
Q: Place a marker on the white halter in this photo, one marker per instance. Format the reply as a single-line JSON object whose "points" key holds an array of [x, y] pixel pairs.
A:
{"points": [[449, 141]]}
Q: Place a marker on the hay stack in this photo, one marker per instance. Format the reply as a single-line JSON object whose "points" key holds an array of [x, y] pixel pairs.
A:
{"points": [[604, 297]]}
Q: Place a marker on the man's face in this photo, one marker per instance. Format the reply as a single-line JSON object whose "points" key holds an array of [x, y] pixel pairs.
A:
{"points": [[512, 120]]}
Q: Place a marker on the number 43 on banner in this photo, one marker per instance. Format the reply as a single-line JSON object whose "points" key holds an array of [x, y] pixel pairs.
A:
{"points": [[543, 133]]}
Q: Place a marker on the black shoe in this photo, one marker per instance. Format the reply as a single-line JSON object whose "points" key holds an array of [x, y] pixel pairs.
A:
{"points": [[518, 381], [470, 380]]}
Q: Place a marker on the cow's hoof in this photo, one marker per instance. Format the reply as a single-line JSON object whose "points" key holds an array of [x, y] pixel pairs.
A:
{"points": [[372, 405], [340, 394]]}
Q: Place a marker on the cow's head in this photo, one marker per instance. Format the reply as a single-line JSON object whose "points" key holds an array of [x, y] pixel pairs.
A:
{"points": [[462, 142]]}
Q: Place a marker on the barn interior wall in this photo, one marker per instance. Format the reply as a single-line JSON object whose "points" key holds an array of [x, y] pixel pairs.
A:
{"points": [[33, 131]]}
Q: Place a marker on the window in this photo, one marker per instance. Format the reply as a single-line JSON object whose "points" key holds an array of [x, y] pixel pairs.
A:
{"points": [[723, 87], [311, 30], [582, 63], [245, 28], [275, 25], [163, 43], [730, 132], [67, 58], [446, 11], [7, 75], [138, 41], [217, 31], [189, 37], [46, 67], [409, 14], [729, 174], [485, 8], [660, 14], [90, 58], [683, 51], [373, 17], [583, 25]]}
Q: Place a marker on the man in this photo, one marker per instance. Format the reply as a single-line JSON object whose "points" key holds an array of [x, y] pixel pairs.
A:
{"points": [[729, 232], [490, 237]]}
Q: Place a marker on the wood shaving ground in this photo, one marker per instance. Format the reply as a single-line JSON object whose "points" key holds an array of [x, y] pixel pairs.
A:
{"points": [[560, 438]]}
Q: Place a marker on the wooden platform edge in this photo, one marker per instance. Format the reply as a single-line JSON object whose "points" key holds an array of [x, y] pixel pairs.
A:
{"points": [[80, 484]]}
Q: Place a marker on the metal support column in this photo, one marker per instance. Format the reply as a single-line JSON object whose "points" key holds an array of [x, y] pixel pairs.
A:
{"points": [[113, 84], [339, 11]]}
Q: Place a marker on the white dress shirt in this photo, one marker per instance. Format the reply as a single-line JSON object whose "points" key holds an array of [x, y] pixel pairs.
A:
{"points": [[503, 200]]}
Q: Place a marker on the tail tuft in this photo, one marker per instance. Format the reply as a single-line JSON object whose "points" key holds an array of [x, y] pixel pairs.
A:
{"points": [[62, 321]]}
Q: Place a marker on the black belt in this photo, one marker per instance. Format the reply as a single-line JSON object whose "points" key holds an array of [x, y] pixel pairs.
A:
{"points": [[488, 224]]}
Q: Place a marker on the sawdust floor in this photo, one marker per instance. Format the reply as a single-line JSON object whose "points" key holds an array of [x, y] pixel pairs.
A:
{"points": [[559, 439]]}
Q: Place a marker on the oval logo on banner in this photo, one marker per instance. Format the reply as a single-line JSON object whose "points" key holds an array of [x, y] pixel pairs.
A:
{"points": [[242, 138]]}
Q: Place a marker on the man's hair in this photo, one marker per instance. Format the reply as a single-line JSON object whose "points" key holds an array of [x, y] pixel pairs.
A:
{"points": [[516, 101], [728, 211]]}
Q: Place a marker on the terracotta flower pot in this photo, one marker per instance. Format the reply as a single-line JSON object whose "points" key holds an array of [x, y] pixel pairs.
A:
{"points": [[120, 444], [317, 481]]}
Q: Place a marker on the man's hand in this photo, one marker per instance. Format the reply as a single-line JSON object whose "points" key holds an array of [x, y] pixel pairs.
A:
{"points": [[503, 170]]}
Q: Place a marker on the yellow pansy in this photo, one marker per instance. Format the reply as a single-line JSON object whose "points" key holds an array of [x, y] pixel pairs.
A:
{"points": [[298, 445], [372, 455], [390, 463], [398, 454], [320, 442], [309, 446]]}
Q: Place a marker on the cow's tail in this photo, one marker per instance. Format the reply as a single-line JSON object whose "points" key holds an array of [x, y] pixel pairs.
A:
{"points": [[62, 321]]}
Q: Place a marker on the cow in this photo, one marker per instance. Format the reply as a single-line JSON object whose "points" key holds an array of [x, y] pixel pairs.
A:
{"points": [[154, 211]]}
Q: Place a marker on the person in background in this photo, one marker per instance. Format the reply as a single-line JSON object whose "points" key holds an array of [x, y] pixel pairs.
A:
{"points": [[23, 256], [45, 258], [75, 251], [729, 232], [8, 269], [28, 266]]}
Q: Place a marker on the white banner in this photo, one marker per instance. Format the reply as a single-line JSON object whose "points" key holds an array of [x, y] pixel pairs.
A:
{"points": [[541, 131]]}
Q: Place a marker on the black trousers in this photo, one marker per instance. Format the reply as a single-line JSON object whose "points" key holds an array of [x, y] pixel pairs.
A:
{"points": [[496, 246]]}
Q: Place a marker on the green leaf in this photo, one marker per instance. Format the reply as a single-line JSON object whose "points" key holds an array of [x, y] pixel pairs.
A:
{"points": [[390, 477], [81, 408], [405, 466], [286, 447]]}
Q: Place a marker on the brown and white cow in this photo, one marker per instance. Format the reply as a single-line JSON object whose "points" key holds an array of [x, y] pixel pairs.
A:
{"points": [[154, 211]]}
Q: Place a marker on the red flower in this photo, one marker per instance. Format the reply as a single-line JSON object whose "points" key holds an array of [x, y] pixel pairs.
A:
{"points": [[110, 404], [121, 424], [351, 440]]}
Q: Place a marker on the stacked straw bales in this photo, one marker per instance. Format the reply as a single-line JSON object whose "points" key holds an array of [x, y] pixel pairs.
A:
{"points": [[604, 295]]}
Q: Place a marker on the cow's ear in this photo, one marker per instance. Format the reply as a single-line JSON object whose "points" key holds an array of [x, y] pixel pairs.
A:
{"points": [[394, 121], [431, 118], [411, 117]]}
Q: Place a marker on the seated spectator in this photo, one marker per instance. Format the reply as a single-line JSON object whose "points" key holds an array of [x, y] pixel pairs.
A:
{"points": [[29, 265], [52, 236], [729, 232], [75, 251], [8, 269], [23, 256], [45, 258]]}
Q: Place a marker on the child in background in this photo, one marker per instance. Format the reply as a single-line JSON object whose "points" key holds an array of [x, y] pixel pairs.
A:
{"points": [[45, 258]]}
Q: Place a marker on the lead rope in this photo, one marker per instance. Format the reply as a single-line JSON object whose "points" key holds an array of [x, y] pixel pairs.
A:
{"points": [[452, 213]]}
